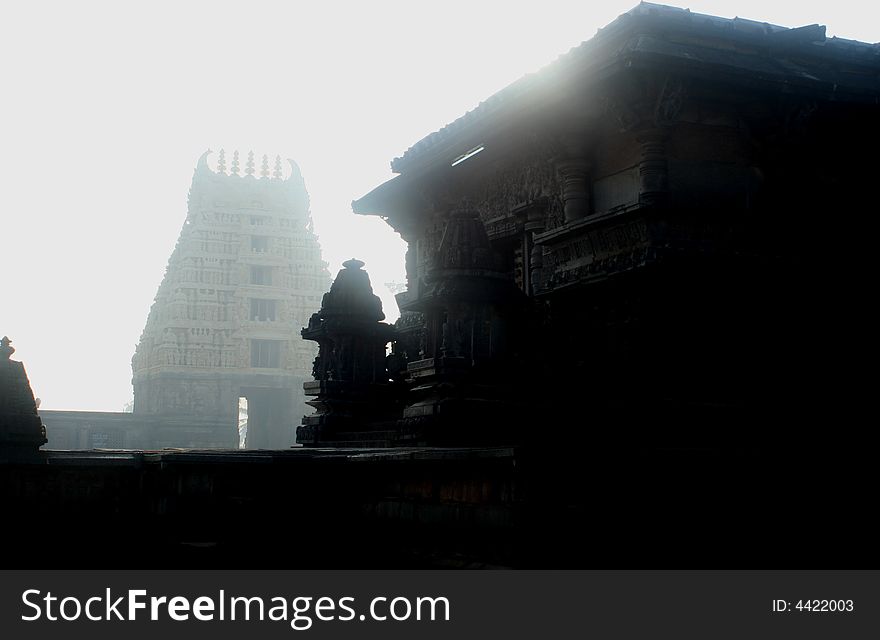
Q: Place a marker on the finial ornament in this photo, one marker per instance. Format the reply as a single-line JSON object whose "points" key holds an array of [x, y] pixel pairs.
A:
{"points": [[234, 167], [277, 173], [249, 167], [221, 162], [202, 164], [295, 176], [264, 169], [6, 350], [354, 263]]}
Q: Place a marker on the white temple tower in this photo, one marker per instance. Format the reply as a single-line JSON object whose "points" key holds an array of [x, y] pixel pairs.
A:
{"points": [[245, 276]]}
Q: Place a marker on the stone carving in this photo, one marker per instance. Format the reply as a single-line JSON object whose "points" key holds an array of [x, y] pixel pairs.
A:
{"points": [[598, 251], [530, 178], [631, 110], [669, 101], [604, 267], [575, 175], [621, 112], [798, 117], [653, 168]]}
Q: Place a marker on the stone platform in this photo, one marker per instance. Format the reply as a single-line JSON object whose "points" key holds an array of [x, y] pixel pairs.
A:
{"points": [[428, 507]]}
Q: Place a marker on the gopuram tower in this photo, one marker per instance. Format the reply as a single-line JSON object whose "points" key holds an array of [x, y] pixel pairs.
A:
{"points": [[245, 275]]}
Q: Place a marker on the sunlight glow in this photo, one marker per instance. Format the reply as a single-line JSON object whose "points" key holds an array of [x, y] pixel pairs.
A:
{"points": [[107, 107]]}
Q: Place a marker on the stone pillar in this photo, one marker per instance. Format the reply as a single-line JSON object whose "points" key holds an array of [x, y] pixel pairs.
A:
{"points": [[575, 175], [653, 169], [536, 260], [534, 222]]}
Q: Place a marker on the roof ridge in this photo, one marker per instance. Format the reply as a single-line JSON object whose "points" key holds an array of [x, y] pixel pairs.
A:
{"points": [[736, 28]]}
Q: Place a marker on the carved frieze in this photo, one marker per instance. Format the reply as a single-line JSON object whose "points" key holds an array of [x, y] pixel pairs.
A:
{"points": [[620, 112], [532, 177], [504, 228], [798, 117], [645, 104], [597, 251], [566, 273], [669, 101]]}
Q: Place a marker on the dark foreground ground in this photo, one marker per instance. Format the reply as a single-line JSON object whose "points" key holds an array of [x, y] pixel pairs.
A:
{"points": [[535, 507]]}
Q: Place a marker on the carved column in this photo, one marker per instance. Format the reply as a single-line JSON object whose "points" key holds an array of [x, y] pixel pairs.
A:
{"points": [[575, 175], [536, 255], [534, 222], [653, 169]]}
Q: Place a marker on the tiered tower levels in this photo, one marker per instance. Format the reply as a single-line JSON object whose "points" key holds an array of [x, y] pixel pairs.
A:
{"points": [[245, 275]]}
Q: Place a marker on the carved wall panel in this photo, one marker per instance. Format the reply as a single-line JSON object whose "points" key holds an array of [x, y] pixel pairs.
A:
{"points": [[531, 177]]}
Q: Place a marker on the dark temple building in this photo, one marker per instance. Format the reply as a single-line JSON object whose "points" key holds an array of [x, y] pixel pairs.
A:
{"points": [[637, 242], [636, 291]]}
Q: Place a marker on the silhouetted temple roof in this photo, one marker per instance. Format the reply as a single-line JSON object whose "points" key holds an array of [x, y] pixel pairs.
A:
{"points": [[803, 56]]}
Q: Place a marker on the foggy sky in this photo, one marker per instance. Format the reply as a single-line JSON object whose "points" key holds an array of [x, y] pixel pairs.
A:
{"points": [[108, 105]]}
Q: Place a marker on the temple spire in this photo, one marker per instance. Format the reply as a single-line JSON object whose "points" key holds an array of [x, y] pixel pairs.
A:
{"points": [[277, 172], [188, 333], [234, 167], [264, 169], [249, 167], [221, 161]]}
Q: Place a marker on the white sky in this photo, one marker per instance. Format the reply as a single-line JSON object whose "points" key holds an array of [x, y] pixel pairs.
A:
{"points": [[106, 106]]}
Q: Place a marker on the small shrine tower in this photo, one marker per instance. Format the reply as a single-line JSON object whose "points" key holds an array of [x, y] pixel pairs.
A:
{"points": [[21, 431]]}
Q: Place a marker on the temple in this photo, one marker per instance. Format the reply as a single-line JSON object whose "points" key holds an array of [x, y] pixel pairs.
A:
{"points": [[245, 273], [623, 245], [635, 304]]}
